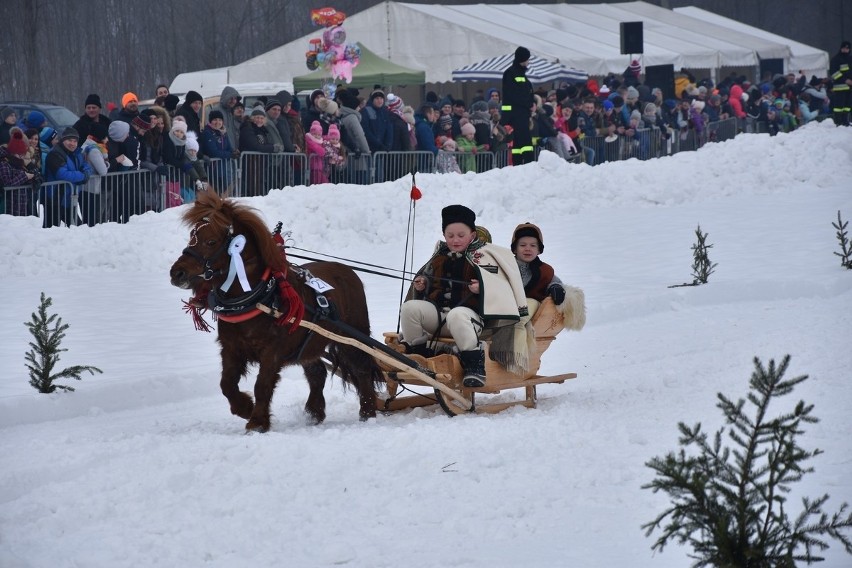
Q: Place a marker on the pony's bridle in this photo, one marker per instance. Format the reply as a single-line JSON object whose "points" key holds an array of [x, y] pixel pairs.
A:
{"points": [[208, 273]]}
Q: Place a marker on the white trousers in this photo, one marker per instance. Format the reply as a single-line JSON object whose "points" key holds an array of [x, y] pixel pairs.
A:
{"points": [[419, 320]]}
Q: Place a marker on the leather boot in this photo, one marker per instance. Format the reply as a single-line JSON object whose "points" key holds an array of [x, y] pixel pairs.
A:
{"points": [[473, 363]]}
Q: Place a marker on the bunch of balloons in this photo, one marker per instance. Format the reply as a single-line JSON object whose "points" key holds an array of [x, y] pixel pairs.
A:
{"points": [[332, 53]]}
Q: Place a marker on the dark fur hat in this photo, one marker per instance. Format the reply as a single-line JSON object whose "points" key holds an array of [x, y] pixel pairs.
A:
{"points": [[457, 214]]}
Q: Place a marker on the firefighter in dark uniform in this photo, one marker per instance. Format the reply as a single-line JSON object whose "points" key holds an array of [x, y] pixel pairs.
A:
{"points": [[517, 107], [841, 91]]}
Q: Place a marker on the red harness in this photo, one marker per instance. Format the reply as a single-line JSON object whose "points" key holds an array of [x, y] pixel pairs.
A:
{"points": [[197, 305]]}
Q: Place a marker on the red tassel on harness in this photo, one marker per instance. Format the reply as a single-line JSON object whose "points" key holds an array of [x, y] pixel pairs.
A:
{"points": [[289, 296], [295, 307], [196, 308]]}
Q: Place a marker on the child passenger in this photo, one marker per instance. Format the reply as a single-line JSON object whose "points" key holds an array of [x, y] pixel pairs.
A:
{"points": [[540, 280], [469, 285]]}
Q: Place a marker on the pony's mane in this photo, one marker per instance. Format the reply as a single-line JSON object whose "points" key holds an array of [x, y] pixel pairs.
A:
{"points": [[221, 212]]}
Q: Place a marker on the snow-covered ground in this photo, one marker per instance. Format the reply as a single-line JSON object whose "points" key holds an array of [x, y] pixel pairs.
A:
{"points": [[145, 466]]}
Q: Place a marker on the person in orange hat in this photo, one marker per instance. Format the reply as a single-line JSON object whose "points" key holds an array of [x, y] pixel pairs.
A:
{"points": [[129, 108]]}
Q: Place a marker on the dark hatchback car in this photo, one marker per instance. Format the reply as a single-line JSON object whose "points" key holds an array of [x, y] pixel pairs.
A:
{"points": [[57, 116]]}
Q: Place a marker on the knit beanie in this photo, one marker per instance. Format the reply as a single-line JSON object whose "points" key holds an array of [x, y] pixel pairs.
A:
{"points": [[394, 102], [179, 126], [272, 103], [635, 68], [316, 128], [457, 214], [635, 115], [333, 132], [7, 112], [632, 94], [69, 133], [142, 123], [607, 105], [118, 130], [258, 111], [170, 103], [98, 131], [468, 128], [93, 100], [450, 145], [445, 122], [191, 141], [650, 109], [17, 145], [35, 119], [522, 54], [191, 97], [128, 98], [48, 135], [214, 114], [527, 230], [377, 93]]}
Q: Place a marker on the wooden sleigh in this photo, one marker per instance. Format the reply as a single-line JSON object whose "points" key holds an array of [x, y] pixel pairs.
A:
{"points": [[443, 373], [547, 322]]}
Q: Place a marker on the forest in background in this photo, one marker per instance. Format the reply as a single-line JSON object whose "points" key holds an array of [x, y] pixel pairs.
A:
{"points": [[62, 50]]}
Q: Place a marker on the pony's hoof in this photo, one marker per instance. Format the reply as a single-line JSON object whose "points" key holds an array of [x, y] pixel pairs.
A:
{"points": [[255, 427]]}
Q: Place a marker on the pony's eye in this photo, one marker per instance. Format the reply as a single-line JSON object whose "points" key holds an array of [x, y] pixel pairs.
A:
{"points": [[211, 242]]}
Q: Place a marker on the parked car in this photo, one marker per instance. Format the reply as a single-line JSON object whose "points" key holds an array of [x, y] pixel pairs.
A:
{"points": [[57, 116]]}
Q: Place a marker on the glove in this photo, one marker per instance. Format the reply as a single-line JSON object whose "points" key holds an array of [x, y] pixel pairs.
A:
{"points": [[162, 170], [278, 148], [235, 154], [557, 293]]}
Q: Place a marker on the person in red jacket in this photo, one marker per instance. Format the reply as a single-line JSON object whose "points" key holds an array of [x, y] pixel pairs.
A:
{"points": [[540, 280]]}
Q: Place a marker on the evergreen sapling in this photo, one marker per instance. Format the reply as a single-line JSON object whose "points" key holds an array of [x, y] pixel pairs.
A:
{"points": [[702, 268], [44, 353], [729, 499], [845, 248]]}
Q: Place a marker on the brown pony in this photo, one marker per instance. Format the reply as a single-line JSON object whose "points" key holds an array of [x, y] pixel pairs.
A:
{"points": [[248, 335]]}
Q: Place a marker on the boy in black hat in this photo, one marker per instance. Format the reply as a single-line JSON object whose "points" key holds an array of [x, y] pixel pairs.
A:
{"points": [[466, 286]]}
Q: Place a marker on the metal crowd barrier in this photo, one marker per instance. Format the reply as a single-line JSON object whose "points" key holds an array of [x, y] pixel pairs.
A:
{"points": [[117, 196]]}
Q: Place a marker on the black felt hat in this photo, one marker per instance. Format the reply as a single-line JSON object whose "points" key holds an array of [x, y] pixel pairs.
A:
{"points": [[457, 214]]}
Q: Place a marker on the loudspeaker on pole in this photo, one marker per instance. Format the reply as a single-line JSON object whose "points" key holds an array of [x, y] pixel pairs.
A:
{"points": [[631, 38]]}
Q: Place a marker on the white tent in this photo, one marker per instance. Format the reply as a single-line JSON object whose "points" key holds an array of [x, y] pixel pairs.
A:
{"points": [[810, 60], [440, 39], [540, 70]]}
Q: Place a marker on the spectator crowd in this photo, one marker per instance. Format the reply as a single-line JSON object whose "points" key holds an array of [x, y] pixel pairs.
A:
{"points": [[174, 150]]}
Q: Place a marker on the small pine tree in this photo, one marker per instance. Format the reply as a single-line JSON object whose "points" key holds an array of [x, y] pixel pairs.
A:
{"points": [[845, 248], [729, 504], [702, 268], [44, 353]]}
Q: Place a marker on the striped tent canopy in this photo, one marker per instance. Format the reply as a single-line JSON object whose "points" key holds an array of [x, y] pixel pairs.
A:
{"points": [[540, 70]]}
